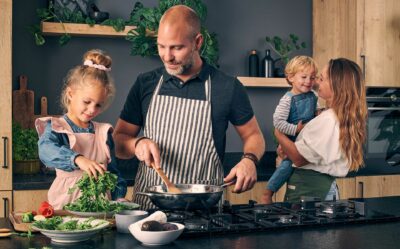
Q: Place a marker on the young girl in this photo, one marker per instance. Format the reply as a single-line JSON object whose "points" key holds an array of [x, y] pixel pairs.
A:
{"points": [[295, 108], [74, 144], [331, 144]]}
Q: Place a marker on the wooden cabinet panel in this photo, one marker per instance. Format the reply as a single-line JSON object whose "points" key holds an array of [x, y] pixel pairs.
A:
{"points": [[377, 186], [5, 94], [29, 200], [6, 203], [366, 31], [381, 43], [334, 30], [347, 187], [243, 198], [280, 195]]}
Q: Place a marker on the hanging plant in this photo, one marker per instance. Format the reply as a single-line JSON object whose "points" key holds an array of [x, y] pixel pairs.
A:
{"points": [[144, 41], [143, 38]]}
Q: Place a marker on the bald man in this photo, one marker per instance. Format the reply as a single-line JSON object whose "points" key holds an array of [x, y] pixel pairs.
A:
{"points": [[184, 109]]}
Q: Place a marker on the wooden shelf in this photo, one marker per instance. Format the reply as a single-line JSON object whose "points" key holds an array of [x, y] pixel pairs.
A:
{"points": [[79, 29], [263, 82]]}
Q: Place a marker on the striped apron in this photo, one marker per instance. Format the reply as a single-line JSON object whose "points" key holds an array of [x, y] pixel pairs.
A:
{"points": [[182, 128]]}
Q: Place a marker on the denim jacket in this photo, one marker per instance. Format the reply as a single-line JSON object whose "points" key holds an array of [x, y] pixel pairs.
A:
{"points": [[54, 151]]}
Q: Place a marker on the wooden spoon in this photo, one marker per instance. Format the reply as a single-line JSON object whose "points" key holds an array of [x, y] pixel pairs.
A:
{"points": [[171, 188]]}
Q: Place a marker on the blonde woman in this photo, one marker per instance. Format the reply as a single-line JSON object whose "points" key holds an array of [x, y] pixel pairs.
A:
{"points": [[331, 144]]}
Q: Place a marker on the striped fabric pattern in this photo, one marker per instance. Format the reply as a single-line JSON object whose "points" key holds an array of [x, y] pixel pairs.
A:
{"points": [[281, 116], [182, 129]]}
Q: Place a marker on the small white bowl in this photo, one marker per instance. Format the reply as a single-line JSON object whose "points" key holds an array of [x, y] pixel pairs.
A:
{"points": [[126, 217], [156, 238]]}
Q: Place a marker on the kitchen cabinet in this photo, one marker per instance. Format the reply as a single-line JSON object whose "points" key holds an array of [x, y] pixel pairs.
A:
{"points": [[6, 203], [366, 31], [377, 186], [243, 198], [347, 187], [28, 200], [5, 106]]}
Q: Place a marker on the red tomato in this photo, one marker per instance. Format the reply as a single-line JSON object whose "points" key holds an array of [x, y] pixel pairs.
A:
{"points": [[34, 213], [46, 209], [45, 203]]}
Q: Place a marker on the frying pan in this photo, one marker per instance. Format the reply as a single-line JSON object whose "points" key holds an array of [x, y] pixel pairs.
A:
{"points": [[193, 196]]}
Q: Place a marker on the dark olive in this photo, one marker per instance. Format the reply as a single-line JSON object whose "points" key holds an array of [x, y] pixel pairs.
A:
{"points": [[152, 225], [169, 227]]}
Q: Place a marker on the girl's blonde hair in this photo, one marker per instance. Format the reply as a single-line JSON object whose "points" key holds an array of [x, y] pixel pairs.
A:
{"points": [[299, 63], [349, 104], [87, 72]]}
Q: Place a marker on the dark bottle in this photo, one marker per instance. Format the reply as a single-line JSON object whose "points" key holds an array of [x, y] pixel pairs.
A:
{"points": [[268, 65], [253, 64]]}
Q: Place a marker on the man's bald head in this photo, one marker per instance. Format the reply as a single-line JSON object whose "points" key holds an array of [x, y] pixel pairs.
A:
{"points": [[182, 15]]}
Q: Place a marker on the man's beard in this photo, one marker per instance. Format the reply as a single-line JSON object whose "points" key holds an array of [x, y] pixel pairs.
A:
{"points": [[183, 68]]}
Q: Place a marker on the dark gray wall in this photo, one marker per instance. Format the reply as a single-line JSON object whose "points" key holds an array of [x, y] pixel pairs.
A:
{"points": [[240, 25]]}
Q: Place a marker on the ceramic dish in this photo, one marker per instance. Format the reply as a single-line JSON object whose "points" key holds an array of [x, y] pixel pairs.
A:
{"points": [[74, 236], [156, 238], [124, 218], [103, 214]]}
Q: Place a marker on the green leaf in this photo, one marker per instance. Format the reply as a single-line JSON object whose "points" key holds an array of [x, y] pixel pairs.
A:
{"points": [[24, 143], [64, 39]]}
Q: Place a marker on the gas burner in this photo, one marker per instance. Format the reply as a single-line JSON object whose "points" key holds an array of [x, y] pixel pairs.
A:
{"points": [[333, 207], [287, 219], [197, 225], [262, 210], [335, 210]]}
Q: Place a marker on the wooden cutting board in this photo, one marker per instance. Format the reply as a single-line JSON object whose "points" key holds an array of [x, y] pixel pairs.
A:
{"points": [[43, 109], [23, 104]]}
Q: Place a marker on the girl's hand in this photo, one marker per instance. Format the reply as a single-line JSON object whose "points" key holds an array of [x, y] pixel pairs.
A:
{"points": [[89, 166]]}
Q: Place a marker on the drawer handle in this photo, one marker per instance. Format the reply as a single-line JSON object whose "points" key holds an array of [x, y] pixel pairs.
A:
{"points": [[5, 140], [363, 65], [361, 189], [5, 200]]}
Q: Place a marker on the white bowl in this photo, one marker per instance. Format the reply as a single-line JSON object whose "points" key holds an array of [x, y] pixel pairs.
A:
{"points": [[156, 238], [126, 217], [74, 236]]}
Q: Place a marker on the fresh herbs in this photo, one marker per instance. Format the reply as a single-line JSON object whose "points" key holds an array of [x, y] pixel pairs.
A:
{"points": [[24, 144], [94, 194], [58, 223]]}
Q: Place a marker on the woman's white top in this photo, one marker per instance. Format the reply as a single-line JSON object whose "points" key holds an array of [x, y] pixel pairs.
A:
{"points": [[318, 143]]}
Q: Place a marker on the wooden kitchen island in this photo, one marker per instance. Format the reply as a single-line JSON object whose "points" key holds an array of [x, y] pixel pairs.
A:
{"points": [[351, 236]]}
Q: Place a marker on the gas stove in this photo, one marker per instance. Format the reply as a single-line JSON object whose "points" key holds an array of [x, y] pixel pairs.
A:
{"points": [[309, 212]]}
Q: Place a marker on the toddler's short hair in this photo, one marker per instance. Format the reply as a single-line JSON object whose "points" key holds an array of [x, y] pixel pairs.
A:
{"points": [[299, 63]]}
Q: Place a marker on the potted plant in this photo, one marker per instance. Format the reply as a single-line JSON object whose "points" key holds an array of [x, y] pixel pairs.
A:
{"points": [[283, 47], [25, 150], [146, 19]]}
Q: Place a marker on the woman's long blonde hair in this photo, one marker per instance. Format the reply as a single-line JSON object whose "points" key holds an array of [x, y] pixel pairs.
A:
{"points": [[349, 104]]}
